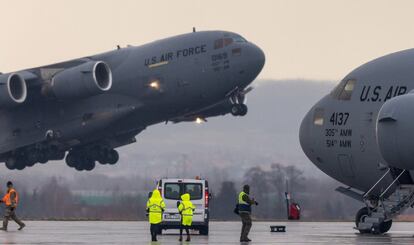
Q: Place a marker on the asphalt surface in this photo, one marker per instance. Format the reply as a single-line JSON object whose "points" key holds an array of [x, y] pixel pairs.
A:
{"points": [[53, 232]]}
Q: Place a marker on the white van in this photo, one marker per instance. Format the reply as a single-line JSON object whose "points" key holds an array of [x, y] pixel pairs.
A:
{"points": [[171, 191]]}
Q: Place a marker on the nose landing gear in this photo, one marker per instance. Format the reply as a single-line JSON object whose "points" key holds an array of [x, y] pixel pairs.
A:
{"points": [[379, 226], [237, 99], [239, 110], [388, 204]]}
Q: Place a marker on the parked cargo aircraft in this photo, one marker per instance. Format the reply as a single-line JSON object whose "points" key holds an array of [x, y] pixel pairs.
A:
{"points": [[92, 105], [361, 135]]}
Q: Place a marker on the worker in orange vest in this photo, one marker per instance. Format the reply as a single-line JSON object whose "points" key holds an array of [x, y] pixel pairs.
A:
{"points": [[11, 199]]}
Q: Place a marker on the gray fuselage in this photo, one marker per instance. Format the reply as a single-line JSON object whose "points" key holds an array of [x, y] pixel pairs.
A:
{"points": [[339, 133], [172, 79]]}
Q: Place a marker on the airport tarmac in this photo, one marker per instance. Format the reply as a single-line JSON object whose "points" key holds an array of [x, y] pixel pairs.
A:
{"points": [[57, 232]]}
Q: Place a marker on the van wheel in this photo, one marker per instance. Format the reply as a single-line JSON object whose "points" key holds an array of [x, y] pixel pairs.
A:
{"points": [[204, 231]]}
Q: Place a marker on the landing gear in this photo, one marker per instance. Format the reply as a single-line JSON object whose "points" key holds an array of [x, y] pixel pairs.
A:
{"points": [[85, 158], [360, 217], [29, 156], [112, 157], [385, 226], [363, 215], [237, 99], [239, 110], [387, 204]]}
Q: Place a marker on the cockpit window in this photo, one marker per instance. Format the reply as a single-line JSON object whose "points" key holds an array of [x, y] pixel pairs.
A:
{"points": [[318, 116], [224, 42], [239, 39], [344, 89], [219, 43], [228, 41]]}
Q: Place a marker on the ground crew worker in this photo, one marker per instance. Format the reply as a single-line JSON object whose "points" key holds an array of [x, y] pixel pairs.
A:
{"points": [[11, 199], [186, 209], [155, 208], [245, 210]]}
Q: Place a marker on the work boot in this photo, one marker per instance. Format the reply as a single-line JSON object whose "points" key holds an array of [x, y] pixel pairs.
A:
{"points": [[188, 239], [3, 229], [21, 227], [180, 239]]}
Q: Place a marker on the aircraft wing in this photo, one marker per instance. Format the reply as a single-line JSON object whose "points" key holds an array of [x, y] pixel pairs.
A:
{"points": [[39, 75]]}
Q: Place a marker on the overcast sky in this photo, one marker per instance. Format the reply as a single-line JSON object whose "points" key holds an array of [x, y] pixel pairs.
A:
{"points": [[302, 39]]}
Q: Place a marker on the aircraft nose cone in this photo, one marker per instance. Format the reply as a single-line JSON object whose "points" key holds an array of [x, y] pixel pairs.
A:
{"points": [[304, 135], [259, 58]]}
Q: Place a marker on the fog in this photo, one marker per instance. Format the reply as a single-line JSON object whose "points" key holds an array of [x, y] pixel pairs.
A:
{"points": [[225, 149]]}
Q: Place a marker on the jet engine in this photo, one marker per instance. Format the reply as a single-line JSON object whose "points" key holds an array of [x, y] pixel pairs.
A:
{"points": [[88, 79], [395, 131], [13, 90]]}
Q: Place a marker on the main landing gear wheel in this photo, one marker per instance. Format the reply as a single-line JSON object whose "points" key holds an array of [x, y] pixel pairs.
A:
{"points": [[11, 163], [113, 157], [362, 214], [16, 163], [239, 110], [89, 164], [84, 159]]}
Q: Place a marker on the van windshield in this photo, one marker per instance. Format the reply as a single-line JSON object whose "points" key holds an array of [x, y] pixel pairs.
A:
{"points": [[174, 191]]}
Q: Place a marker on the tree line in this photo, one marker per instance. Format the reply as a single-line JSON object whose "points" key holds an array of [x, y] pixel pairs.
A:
{"points": [[55, 200]]}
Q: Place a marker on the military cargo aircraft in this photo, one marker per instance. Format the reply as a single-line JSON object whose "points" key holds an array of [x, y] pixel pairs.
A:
{"points": [[361, 134], [83, 109]]}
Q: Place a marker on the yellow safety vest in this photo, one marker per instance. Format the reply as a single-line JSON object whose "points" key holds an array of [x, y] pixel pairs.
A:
{"points": [[155, 210], [243, 206], [241, 201], [186, 208]]}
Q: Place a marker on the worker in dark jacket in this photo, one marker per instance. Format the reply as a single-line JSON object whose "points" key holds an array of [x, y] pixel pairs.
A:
{"points": [[245, 209]]}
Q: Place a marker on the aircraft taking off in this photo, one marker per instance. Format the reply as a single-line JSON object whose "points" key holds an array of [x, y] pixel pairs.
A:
{"points": [[92, 105], [361, 135]]}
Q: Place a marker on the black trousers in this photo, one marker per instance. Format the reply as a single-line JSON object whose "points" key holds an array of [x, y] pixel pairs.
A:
{"points": [[187, 230], [154, 231]]}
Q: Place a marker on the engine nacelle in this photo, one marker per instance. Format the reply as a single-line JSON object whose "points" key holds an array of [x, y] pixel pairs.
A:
{"points": [[395, 131], [89, 79], [13, 90]]}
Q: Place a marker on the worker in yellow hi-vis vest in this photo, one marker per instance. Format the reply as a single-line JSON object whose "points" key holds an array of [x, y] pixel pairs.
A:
{"points": [[155, 208], [244, 205], [186, 209]]}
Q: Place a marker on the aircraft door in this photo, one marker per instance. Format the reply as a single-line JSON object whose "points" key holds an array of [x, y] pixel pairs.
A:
{"points": [[346, 165]]}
